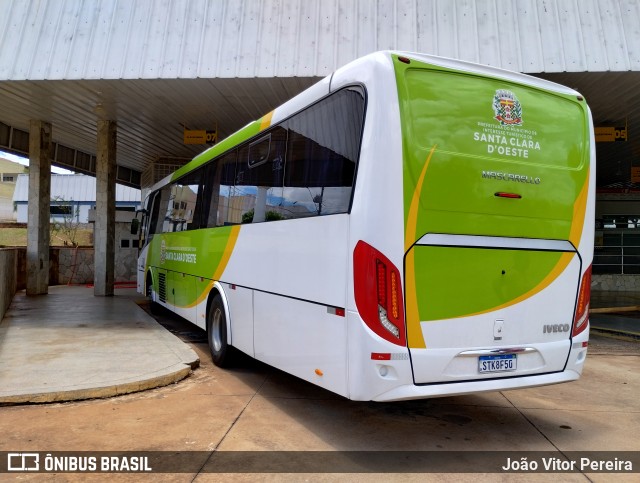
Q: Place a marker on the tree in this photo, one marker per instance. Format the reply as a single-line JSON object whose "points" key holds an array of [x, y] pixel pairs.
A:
{"points": [[247, 217], [66, 224]]}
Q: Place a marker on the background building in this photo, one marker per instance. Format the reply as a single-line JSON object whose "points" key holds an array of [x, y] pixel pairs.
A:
{"points": [[9, 172], [72, 197]]}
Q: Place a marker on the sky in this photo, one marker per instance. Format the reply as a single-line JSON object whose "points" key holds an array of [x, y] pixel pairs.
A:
{"points": [[25, 162]]}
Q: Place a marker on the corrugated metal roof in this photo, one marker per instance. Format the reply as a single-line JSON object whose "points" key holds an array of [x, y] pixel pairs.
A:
{"points": [[73, 187], [151, 114], [155, 66], [188, 39]]}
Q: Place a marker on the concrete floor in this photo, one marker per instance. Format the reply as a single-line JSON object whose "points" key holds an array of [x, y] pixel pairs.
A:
{"points": [[71, 345], [616, 314], [254, 407]]}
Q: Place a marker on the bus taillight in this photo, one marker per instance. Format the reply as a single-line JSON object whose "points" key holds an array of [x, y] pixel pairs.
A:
{"points": [[381, 272], [378, 293], [584, 299]]}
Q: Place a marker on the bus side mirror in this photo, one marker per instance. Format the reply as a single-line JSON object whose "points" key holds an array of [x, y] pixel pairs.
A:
{"points": [[135, 226]]}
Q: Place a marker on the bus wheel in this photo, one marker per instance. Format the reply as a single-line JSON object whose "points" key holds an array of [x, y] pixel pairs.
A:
{"points": [[154, 307], [221, 352]]}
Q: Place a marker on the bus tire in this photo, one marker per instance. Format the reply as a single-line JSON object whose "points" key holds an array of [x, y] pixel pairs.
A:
{"points": [[221, 351], [154, 307]]}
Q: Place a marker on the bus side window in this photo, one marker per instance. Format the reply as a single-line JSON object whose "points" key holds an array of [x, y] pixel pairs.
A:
{"points": [[322, 152], [152, 220], [196, 185], [259, 175], [242, 197], [158, 210], [218, 184], [183, 212]]}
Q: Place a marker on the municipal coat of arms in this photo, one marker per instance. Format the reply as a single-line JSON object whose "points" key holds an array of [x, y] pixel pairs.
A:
{"points": [[507, 108]]}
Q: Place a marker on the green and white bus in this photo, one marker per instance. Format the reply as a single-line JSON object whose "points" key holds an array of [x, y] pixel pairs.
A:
{"points": [[408, 227]]}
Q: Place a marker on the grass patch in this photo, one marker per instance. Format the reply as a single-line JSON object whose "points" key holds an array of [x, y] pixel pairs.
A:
{"points": [[6, 190]]}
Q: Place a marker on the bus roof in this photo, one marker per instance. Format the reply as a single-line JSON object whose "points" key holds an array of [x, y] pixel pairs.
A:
{"points": [[323, 87]]}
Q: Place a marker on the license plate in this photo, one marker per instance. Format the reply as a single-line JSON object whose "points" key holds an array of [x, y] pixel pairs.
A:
{"points": [[497, 363]]}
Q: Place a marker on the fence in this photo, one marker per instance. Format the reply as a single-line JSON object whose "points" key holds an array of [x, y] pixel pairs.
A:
{"points": [[617, 254], [8, 278]]}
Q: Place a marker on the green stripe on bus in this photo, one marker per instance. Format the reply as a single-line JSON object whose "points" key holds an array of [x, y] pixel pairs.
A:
{"points": [[198, 253]]}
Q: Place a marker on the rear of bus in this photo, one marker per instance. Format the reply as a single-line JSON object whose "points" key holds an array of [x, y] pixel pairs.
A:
{"points": [[492, 289]]}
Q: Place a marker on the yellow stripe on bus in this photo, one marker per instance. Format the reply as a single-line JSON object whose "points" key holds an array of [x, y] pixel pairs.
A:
{"points": [[265, 122], [414, 331], [226, 255], [579, 210], [412, 218]]}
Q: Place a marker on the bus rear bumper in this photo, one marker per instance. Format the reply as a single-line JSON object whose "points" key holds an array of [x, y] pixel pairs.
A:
{"points": [[391, 378], [572, 372], [413, 391]]}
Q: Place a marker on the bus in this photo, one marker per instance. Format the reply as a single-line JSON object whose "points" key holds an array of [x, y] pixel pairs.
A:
{"points": [[408, 227]]}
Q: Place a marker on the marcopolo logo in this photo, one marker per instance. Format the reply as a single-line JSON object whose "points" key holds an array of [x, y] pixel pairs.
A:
{"points": [[518, 178], [507, 108]]}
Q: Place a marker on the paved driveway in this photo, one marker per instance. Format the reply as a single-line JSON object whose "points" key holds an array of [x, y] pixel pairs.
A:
{"points": [[256, 408]]}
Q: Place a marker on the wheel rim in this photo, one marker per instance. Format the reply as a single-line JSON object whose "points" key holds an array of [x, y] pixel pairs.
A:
{"points": [[216, 325]]}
